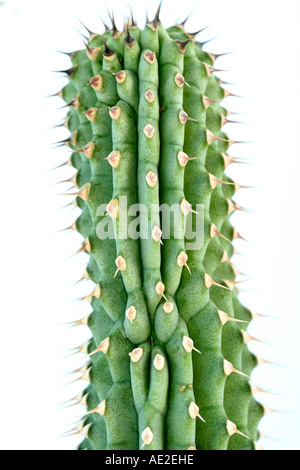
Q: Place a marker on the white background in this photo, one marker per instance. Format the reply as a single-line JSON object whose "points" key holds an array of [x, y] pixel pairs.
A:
{"points": [[35, 275]]}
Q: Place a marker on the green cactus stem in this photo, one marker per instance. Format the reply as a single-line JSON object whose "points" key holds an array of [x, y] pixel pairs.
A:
{"points": [[169, 368]]}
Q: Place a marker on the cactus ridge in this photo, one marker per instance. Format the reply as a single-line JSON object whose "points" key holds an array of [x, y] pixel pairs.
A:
{"points": [[169, 365]]}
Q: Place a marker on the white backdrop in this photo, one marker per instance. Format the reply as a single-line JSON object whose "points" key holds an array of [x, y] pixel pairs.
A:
{"points": [[36, 276]]}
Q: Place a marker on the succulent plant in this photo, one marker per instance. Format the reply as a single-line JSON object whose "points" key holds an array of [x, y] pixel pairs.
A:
{"points": [[169, 363]]}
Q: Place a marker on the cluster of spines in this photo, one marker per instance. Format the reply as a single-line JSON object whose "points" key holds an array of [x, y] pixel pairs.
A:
{"points": [[146, 106]]}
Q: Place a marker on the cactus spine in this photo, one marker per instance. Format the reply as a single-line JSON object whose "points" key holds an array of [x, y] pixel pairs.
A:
{"points": [[169, 366]]}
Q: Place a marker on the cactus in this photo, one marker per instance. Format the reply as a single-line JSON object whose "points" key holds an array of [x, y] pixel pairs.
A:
{"points": [[169, 366]]}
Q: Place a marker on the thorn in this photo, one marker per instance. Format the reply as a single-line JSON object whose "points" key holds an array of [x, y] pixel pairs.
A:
{"points": [[88, 30], [136, 355], [182, 261], [207, 101], [85, 247], [183, 44], [120, 76], [210, 282], [186, 19], [214, 181], [112, 208], [107, 51], [71, 227], [183, 158], [209, 40], [150, 57], [104, 24], [229, 369], [114, 158], [121, 264], [115, 30], [92, 52], [160, 289], [194, 412], [232, 429], [74, 103], [156, 235], [247, 337], [186, 208], [210, 137], [180, 81], [104, 346], [96, 82], [183, 117], [193, 35], [115, 112], [100, 409], [159, 362], [96, 293], [131, 313], [157, 15], [91, 114], [214, 232], [133, 22], [68, 72], [81, 429], [188, 345], [224, 318], [147, 437], [216, 56]]}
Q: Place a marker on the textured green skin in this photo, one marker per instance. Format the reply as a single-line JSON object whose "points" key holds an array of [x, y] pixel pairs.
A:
{"points": [[136, 394]]}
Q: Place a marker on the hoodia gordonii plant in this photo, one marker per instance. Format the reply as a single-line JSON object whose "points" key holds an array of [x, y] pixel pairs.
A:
{"points": [[169, 364]]}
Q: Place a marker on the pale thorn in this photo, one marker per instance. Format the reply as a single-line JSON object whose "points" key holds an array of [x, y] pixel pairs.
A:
{"points": [[131, 313], [85, 277], [114, 158], [247, 337], [228, 159], [104, 346], [120, 76], [182, 261], [149, 131], [86, 246], [100, 409], [257, 446], [207, 101], [210, 70], [84, 192], [159, 362], [91, 114], [183, 158], [182, 388], [225, 258], [210, 282], [214, 232], [80, 429], [180, 81], [147, 437], [115, 112], [136, 355], [80, 399], [168, 307], [96, 82], [121, 264], [214, 57], [194, 411], [229, 369], [83, 349], [149, 96], [191, 448], [214, 181], [210, 137], [224, 318], [150, 57], [184, 117], [151, 179], [188, 345], [71, 227], [112, 208], [232, 284], [156, 235], [232, 207], [82, 322], [186, 208], [84, 376], [160, 290], [232, 429]]}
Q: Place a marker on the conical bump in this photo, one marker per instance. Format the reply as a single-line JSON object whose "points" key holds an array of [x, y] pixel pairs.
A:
{"points": [[159, 362], [149, 131], [131, 313], [114, 158], [96, 82]]}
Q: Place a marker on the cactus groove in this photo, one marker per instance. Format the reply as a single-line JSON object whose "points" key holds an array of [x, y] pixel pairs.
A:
{"points": [[169, 368]]}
